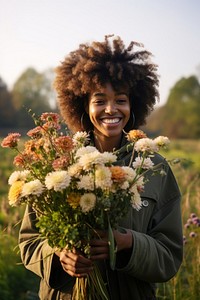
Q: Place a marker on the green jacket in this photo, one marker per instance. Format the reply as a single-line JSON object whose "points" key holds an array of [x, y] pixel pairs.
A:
{"points": [[156, 254]]}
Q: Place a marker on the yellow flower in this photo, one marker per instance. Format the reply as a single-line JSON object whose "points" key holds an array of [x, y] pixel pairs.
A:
{"points": [[15, 193], [135, 135], [73, 199]]}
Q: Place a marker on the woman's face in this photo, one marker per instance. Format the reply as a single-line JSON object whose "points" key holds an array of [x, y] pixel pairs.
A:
{"points": [[109, 111]]}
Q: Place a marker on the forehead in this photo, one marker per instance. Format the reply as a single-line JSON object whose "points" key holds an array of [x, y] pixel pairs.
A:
{"points": [[110, 88]]}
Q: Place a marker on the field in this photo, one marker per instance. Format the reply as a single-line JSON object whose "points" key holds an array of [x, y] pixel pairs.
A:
{"points": [[18, 283]]}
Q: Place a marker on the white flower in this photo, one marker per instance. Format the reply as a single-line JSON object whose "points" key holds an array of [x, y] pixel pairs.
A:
{"points": [[87, 161], [18, 176], [146, 144], [84, 150], [86, 182], [108, 157], [129, 173], [75, 170], [103, 177], [143, 163], [161, 141], [87, 202], [57, 180], [80, 138], [135, 199], [34, 187], [124, 185]]}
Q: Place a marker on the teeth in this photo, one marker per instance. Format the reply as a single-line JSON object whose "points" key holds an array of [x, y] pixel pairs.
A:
{"points": [[111, 121]]}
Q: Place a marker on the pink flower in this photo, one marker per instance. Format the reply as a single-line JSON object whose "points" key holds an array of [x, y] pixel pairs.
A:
{"points": [[11, 141]]}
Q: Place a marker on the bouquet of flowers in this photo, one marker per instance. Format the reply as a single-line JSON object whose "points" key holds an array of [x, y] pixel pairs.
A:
{"points": [[76, 190]]}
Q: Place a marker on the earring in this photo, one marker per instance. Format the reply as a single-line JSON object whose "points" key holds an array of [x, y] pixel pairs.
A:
{"points": [[82, 120]]}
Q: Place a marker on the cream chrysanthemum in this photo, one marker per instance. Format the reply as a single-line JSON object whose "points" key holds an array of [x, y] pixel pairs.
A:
{"points": [[130, 173], [75, 170], [57, 180], [34, 187], [87, 202], [143, 163], [18, 176], [103, 177], [84, 151], [146, 144], [136, 198], [161, 141], [86, 182]]}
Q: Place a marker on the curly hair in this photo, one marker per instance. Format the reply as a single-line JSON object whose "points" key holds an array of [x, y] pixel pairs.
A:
{"points": [[94, 65]]}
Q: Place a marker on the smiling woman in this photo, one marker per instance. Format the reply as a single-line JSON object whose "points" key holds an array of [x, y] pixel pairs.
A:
{"points": [[107, 89]]}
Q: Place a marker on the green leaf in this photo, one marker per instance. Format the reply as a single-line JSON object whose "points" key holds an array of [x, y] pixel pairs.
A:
{"points": [[112, 246]]}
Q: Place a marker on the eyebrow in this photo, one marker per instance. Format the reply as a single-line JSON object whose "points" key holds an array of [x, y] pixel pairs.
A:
{"points": [[98, 94]]}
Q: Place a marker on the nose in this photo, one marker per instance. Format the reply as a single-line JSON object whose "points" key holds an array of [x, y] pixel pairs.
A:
{"points": [[110, 108]]}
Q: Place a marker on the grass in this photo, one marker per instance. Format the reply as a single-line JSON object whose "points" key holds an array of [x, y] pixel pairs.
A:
{"points": [[186, 284]]}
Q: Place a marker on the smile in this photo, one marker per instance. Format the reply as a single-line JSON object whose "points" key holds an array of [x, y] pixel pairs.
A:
{"points": [[111, 121]]}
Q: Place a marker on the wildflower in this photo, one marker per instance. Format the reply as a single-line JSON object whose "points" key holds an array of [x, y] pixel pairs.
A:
{"points": [[103, 177], [86, 182], [135, 135], [11, 141], [75, 170], [14, 194], [193, 234], [145, 145], [89, 160], [129, 173], [84, 151], [161, 141], [135, 199], [50, 117], [143, 163], [64, 143], [36, 132], [80, 138], [34, 187], [73, 199], [61, 163], [87, 202], [57, 180], [18, 176]]}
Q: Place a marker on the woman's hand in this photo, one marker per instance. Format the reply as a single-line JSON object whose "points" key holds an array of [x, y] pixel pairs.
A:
{"points": [[99, 247], [74, 263]]}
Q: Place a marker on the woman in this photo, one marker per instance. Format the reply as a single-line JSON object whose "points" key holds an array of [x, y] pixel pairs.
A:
{"points": [[108, 89]]}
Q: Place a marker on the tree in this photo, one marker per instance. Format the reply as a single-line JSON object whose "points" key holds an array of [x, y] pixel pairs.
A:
{"points": [[179, 117], [30, 91], [7, 111]]}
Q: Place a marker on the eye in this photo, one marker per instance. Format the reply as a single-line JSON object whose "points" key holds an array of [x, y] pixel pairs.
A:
{"points": [[99, 101], [122, 101]]}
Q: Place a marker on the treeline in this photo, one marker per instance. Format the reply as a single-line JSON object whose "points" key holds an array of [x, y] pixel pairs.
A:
{"points": [[178, 118], [32, 90]]}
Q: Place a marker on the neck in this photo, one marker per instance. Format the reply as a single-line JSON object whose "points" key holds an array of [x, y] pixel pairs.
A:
{"points": [[103, 143]]}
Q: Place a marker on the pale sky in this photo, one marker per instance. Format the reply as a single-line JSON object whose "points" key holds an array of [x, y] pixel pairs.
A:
{"points": [[40, 33]]}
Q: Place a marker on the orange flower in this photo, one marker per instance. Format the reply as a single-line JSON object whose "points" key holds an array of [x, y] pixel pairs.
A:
{"points": [[73, 199], [135, 135], [118, 173], [15, 193]]}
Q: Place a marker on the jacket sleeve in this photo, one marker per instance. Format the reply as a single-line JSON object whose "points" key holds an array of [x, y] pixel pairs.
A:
{"points": [[156, 254], [36, 254]]}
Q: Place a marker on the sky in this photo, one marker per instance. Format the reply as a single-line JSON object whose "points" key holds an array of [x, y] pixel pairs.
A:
{"points": [[40, 33]]}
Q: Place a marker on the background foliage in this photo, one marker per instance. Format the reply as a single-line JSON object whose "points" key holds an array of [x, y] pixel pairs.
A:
{"points": [[178, 119]]}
